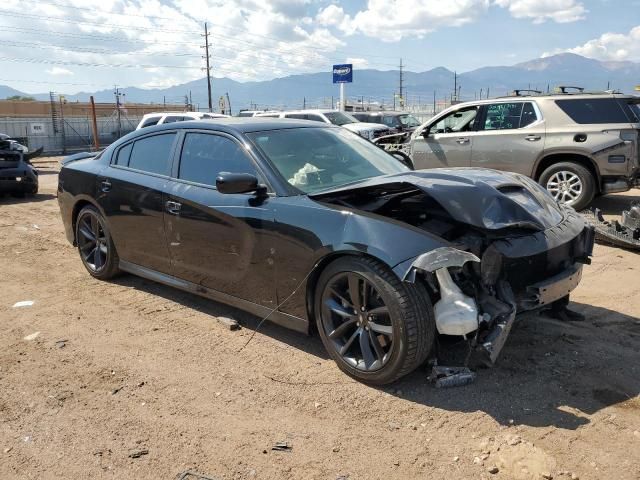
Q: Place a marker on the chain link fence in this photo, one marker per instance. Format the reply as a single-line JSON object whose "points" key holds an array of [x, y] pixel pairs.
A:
{"points": [[66, 135]]}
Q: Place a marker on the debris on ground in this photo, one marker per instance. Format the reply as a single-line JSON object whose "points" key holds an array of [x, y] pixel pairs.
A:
{"points": [[624, 233], [445, 377], [282, 447], [229, 323], [31, 337], [138, 453], [61, 343], [24, 303], [189, 475]]}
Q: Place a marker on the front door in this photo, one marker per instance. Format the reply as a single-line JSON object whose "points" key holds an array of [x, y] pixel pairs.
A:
{"points": [[447, 142], [510, 137], [220, 241], [130, 193]]}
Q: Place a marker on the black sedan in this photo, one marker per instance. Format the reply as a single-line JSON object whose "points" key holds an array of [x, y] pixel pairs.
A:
{"points": [[319, 229]]}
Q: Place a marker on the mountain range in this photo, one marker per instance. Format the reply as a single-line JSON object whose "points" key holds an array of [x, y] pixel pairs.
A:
{"points": [[316, 89]]}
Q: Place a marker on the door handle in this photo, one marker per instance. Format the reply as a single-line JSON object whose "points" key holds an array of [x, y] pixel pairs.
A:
{"points": [[462, 140], [172, 207], [105, 185], [533, 138]]}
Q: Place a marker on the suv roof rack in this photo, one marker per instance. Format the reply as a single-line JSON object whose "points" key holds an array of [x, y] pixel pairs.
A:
{"points": [[529, 91], [564, 88]]}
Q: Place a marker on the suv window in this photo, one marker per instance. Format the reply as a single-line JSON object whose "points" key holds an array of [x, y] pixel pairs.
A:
{"points": [[173, 119], [595, 110], [298, 116], [507, 116], [151, 121], [205, 155], [151, 154], [390, 121], [315, 118], [459, 121]]}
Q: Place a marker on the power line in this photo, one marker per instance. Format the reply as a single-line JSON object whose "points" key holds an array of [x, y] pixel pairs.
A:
{"points": [[89, 64], [12, 43]]}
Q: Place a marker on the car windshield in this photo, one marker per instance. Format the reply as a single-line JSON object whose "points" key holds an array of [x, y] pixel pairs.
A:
{"points": [[408, 120], [339, 118], [315, 159]]}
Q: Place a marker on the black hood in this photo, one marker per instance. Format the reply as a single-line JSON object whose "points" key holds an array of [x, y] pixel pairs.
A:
{"points": [[486, 199]]}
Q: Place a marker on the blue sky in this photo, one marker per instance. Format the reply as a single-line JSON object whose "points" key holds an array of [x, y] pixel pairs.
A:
{"points": [[82, 45]]}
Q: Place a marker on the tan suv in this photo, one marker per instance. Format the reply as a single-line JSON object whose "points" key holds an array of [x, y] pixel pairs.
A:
{"points": [[576, 145]]}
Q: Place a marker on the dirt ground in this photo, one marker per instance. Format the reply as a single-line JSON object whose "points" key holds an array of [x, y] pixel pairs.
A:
{"points": [[131, 379]]}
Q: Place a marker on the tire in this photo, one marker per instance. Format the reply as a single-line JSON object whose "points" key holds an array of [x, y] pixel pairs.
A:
{"points": [[570, 183], [404, 335], [101, 260]]}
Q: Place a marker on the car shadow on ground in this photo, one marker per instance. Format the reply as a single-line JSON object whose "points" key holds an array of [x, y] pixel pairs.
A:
{"points": [[615, 204], [550, 373], [7, 198], [310, 344]]}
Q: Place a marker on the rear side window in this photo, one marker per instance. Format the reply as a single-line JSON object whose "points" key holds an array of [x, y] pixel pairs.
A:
{"points": [[507, 116], [596, 110], [151, 154], [315, 118], [204, 156], [123, 155], [150, 121]]}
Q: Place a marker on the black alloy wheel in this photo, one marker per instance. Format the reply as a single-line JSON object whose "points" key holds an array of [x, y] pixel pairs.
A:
{"points": [[357, 321], [374, 326], [95, 245]]}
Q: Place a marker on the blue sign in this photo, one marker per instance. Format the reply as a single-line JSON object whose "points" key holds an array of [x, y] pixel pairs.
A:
{"points": [[343, 73]]}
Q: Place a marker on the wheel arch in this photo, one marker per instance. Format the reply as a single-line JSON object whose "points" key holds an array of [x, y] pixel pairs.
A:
{"points": [[581, 159], [77, 207], [321, 265]]}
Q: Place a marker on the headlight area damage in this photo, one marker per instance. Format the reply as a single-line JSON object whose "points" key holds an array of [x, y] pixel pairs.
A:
{"points": [[508, 247]]}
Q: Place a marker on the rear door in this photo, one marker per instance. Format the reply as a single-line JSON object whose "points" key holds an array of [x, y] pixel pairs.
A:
{"points": [[510, 137], [220, 241], [449, 140], [130, 192]]}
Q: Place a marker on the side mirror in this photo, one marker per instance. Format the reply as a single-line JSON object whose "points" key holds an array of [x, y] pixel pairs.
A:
{"points": [[239, 183], [426, 132]]}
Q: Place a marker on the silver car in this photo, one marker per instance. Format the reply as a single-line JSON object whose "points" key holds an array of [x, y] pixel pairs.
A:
{"points": [[576, 145]]}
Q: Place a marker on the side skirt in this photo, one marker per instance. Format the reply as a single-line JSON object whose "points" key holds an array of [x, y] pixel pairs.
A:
{"points": [[279, 318]]}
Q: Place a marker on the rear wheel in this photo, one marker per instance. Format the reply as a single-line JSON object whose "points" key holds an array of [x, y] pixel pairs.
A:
{"points": [[570, 183], [97, 252], [375, 327]]}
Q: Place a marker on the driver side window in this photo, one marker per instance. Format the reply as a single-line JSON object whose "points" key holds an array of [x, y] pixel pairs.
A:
{"points": [[459, 121]]}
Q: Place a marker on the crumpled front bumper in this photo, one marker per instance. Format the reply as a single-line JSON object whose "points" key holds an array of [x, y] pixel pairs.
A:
{"points": [[9, 183]]}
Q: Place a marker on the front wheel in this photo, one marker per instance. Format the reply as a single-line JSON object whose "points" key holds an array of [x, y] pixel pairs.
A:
{"points": [[375, 327], [570, 183], [97, 252]]}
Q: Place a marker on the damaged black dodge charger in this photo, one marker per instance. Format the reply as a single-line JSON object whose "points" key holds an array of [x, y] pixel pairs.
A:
{"points": [[316, 228]]}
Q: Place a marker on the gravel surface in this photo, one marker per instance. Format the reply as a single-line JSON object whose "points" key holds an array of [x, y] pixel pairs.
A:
{"points": [[131, 379]]}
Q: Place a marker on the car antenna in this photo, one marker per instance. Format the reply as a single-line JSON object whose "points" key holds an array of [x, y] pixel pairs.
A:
{"points": [[277, 307]]}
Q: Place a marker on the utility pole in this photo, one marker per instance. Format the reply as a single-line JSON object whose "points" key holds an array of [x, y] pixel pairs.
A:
{"points": [[116, 92], [455, 87], [190, 101], [208, 68], [94, 124], [64, 139], [434, 102], [228, 102], [401, 89]]}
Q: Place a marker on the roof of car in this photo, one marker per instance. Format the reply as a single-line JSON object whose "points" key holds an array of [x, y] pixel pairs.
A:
{"points": [[238, 124]]}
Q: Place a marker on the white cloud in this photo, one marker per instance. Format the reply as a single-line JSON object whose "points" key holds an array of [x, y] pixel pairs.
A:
{"points": [[392, 20], [560, 11], [59, 71], [609, 46], [358, 62]]}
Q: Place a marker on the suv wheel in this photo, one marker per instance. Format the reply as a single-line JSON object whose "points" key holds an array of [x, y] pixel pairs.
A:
{"points": [[570, 183]]}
